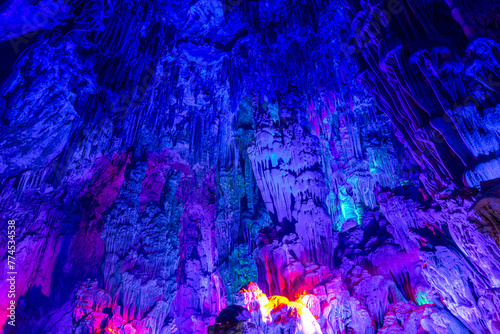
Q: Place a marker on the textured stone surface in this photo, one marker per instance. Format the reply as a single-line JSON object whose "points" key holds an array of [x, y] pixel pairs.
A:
{"points": [[159, 156]]}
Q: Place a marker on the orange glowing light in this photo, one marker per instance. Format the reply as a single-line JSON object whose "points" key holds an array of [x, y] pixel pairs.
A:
{"points": [[301, 295], [279, 309], [276, 308], [250, 287]]}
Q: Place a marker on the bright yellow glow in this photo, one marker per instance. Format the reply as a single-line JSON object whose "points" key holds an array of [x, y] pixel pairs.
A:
{"points": [[276, 309]]}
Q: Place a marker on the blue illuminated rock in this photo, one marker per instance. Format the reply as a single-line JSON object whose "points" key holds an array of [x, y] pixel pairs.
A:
{"points": [[159, 156]]}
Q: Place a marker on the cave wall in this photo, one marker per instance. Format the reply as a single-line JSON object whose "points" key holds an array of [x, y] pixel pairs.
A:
{"points": [[159, 156]]}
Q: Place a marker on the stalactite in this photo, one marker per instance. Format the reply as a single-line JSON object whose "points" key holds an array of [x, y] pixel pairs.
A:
{"points": [[159, 156]]}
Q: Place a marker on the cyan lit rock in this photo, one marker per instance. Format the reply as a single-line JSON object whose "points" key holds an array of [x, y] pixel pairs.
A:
{"points": [[232, 166]]}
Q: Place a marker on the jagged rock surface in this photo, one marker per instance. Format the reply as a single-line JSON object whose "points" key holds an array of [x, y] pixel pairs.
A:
{"points": [[158, 156]]}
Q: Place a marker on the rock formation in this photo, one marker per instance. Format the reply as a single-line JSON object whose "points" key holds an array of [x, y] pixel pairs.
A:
{"points": [[237, 166]]}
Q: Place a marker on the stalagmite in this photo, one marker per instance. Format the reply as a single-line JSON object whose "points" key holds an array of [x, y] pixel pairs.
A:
{"points": [[234, 166]]}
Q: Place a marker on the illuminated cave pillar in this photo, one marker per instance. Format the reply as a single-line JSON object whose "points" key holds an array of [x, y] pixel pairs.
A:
{"points": [[289, 174], [347, 204]]}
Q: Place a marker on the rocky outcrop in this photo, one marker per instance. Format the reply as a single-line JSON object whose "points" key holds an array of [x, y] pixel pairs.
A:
{"points": [[158, 156]]}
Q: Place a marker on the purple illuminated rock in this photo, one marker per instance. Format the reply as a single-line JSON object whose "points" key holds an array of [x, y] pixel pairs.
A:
{"points": [[157, 156]]}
